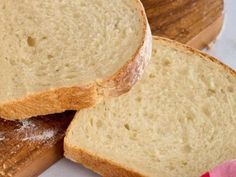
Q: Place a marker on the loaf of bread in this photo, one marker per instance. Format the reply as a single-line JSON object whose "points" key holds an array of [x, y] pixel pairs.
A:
{"points": [[178, 121], [59, 55]]}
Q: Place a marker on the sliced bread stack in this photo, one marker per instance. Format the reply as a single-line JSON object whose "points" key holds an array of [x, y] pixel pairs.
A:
{"points": [[68, 54], [178, 121]]}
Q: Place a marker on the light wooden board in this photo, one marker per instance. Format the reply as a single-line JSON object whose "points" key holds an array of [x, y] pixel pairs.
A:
{"points": [[29, 147]]}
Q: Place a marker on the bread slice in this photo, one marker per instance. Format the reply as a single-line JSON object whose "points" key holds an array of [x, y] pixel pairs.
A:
{"points": [[178, 121], [68, 54]]}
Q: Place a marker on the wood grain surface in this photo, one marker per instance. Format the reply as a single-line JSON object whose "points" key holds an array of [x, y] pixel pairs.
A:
{"points": [[183, 20], [29, 147]]}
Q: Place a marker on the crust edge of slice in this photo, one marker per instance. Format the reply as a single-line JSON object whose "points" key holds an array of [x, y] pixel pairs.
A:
{"points": [[100, 165]]}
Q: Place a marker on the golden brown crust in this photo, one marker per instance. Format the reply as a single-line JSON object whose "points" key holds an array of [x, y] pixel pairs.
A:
{"points": [[127, 76], [78, 97], [100, 165], [53, 101]]}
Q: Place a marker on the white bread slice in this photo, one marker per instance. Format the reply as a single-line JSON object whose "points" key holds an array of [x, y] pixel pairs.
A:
{"points": [[58, 55], [178, 121]]}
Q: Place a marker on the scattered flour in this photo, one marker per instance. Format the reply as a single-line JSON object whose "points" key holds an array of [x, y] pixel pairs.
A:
{"points": [[26, 124], [44, 136], [30, 131]]}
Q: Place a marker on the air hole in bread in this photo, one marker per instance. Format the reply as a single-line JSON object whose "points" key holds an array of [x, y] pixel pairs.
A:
{"points": [[127, 126], [222, 91], [190, 117], [187, 149], [91, 122], [116, 25], [84, 4], [109, 137], [166, 62], [29, 17], [92, 64], [50, 56], [171, 168], [211, 92], [99, 124], [45, 37], [145, 114], [133, 136], [151, 116], [206, 111], [230, 89], [138, 99], [40, 74], [230, 79], [71, 76], [152, 76], [12, 62], [31, 41], [154, 51]]}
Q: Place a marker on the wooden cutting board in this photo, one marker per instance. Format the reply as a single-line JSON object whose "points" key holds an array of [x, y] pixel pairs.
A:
{"points": [[29, 147], [193, 22]]}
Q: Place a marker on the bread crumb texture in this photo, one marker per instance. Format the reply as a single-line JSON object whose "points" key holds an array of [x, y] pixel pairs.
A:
{"points": [[53, 43], [179, 120]]}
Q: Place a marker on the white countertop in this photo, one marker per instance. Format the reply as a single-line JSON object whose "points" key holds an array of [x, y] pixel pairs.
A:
{"points": [[224, 49]]}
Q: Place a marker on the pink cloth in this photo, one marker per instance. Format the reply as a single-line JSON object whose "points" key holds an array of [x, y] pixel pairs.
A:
{"points": [[227, 169]]}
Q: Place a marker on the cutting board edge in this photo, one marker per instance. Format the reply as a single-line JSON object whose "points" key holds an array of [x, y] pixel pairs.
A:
{"points": [[209, 35], [48, 157]]}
